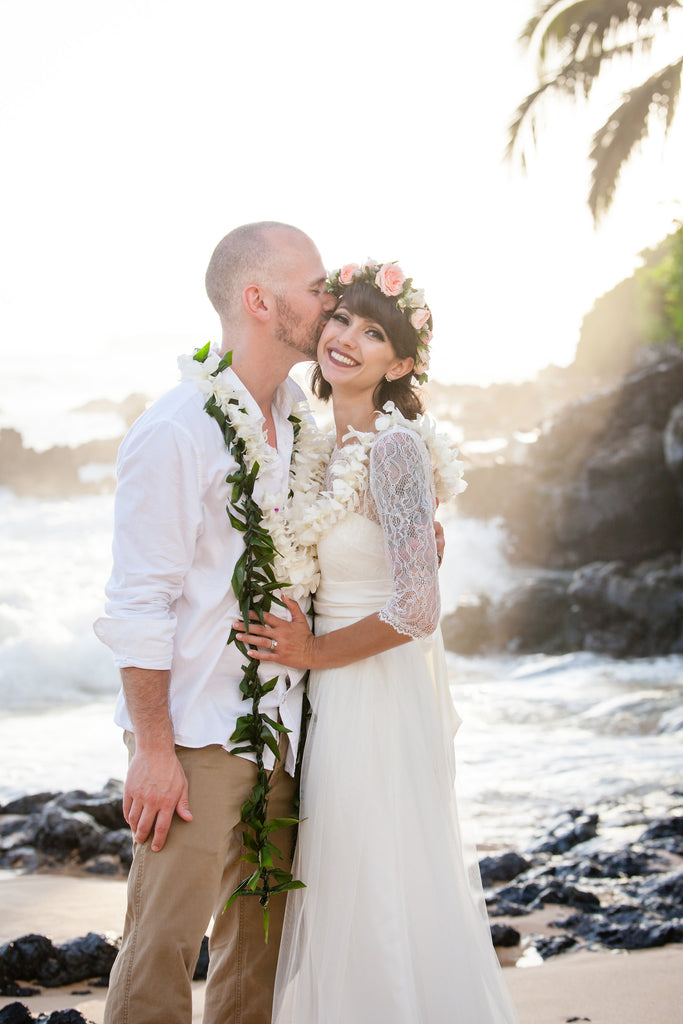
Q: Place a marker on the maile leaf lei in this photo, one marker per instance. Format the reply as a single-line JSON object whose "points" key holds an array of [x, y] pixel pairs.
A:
{"points": [[254, 584]]}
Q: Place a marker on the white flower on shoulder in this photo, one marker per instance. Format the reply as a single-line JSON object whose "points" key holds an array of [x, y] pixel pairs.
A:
{"points": [[197, 372]]}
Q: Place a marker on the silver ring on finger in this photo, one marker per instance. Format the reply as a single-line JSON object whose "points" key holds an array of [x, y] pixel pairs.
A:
{"points": [[273, 645]]}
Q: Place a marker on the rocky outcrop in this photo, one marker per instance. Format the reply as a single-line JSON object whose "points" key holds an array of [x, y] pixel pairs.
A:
{"points": [[604, 607], [594, 511], [74, 829], [59, 471], [603, 480]]}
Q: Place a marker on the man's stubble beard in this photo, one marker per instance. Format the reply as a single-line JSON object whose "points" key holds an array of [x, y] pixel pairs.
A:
{"points": [[289, 330]]}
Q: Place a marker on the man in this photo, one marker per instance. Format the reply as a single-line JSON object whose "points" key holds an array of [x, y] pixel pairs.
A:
{"points": [[169, 611]]}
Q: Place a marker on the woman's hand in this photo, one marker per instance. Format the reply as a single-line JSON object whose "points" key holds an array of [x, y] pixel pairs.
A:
{"points": [[287, 643]]}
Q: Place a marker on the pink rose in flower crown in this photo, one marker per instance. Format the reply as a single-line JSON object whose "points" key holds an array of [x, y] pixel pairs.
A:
{"points": [[390, 279], [419, 318], [346, 273]]}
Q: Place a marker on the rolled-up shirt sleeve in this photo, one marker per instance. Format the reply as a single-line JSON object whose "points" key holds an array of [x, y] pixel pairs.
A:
{"points": [[158, 519]]}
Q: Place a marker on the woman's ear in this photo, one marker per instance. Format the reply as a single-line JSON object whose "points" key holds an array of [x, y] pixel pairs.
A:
{"points": [[400, 368]]}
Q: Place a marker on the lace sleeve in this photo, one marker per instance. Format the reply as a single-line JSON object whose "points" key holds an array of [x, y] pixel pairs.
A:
{"points": [[401, 490]]}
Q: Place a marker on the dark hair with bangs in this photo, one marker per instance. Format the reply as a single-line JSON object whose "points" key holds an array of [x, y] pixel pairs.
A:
{"points": [[362, 299]]}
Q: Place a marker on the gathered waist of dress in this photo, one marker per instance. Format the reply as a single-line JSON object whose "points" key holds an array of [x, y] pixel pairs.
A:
{"points": [[351, 599]]}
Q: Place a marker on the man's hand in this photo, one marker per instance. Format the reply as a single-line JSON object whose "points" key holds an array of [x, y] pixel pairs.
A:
{"points": [[155, 789], [156, 786]]}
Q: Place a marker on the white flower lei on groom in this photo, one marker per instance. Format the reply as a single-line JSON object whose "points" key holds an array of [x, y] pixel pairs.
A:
{"points": [[295, 563]]}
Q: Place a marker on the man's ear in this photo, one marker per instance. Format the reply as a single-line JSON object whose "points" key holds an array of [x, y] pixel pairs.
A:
{"points": [[257, 301]]}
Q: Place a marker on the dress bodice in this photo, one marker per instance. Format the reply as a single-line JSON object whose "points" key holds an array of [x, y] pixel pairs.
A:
{"points": [[355, 577]]}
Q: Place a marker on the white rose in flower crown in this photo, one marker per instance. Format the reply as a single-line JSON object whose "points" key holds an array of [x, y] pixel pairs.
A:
{"points": [[417, 297]]}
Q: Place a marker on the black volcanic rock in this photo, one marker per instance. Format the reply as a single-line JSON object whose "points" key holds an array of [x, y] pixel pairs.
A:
{"points": [[673, 446], [74, 828], [35, 958], [547, 947], [502, 868], [62, 832], [600, 483], [15, 1013], [667, 834], [504, 935], [105, 807], [573, 828], [604, 607]]}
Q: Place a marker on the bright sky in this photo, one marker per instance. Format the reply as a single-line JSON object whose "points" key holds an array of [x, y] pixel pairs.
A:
{"points": [[137, 132]]}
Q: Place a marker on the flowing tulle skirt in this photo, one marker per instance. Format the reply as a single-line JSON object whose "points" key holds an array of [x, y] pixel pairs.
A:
{"points": [[391, 927]]}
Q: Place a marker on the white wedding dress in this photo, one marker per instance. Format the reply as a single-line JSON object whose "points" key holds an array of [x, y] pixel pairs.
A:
{"points": [[391, 927]]}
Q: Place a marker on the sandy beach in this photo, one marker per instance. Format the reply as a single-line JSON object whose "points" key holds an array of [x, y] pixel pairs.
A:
{"points": [[643, 987]]}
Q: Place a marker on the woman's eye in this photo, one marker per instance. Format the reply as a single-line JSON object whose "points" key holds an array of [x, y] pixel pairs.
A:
{"points": [[341, 317]]}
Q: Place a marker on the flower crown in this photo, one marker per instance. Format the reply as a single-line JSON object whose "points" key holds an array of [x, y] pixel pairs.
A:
{"points": [[390, 280]]}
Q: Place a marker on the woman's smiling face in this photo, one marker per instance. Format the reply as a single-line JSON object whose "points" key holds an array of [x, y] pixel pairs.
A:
{"points": [[353, 348]]}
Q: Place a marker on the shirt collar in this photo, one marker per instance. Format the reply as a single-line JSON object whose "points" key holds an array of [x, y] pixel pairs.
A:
{"points": [[283, 400]]}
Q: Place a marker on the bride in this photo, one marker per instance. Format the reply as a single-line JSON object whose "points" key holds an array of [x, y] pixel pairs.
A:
{"points": [[391, 926]]}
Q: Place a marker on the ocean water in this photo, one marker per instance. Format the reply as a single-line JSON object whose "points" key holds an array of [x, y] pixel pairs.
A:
{"points": [[541, 734]]}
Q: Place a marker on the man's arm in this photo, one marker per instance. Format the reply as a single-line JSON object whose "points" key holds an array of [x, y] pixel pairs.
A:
{"points": [[156, 786]]}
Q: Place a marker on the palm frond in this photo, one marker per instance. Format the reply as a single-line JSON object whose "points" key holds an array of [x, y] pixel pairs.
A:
{"points": [[527, 33], [575, 78], [615, 141], [583, 26]]}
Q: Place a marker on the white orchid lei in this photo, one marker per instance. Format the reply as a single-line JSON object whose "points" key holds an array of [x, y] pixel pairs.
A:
{"points": [[348, 473]]}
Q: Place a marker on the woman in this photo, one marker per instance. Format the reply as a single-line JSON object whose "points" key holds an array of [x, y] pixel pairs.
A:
{"points": [[389, 927]]}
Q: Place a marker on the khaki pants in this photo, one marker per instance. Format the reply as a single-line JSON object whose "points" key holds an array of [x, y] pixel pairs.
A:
{"points": [[172, 895]]}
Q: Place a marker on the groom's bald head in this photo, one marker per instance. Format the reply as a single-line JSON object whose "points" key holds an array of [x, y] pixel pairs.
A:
{"points": [[257, 253]]}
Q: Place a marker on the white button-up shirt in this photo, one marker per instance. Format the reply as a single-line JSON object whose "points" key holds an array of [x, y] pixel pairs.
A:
{"points": [[170, 604]]}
